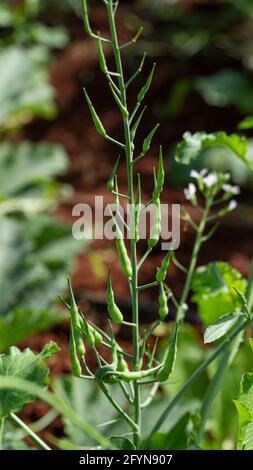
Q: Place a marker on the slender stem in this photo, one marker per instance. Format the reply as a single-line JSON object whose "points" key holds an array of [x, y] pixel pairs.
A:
{"points": [[212, 392], [129, 158], [196, 374], [2, 421], [117, 406], [197, 245], [36, 439], [148, 286]]}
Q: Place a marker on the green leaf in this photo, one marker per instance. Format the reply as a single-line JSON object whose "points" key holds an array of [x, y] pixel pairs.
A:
{"points": [[246, 123], [17, 325], [220, 327], [122, 443], [25, 365], [213, 287], [227, 87], [32, 266], [175, 439], [244, 406], [194, 144], [26, 164], [28, 96]]}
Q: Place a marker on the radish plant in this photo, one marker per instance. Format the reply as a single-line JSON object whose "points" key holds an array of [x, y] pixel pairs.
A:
{"points": [[140, 374], [130, 382]]}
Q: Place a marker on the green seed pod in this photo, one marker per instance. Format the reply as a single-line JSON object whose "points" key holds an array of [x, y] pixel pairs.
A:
{"points": [[156, 227], [162, 271], [170, 358], [111, 182], [122, 108], [160, 177], [74, 361], [137, 210], [124, 259], [97, 336], [147, 85], [75, 323], [105, 374], [88, 332], [98, 124], [137, 375], [122, 364], [148, 140], [163, 303], [101, 55], [114, 312], [137, 123]]}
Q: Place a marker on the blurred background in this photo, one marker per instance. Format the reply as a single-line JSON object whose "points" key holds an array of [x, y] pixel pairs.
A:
{"points": [[52, 158]]}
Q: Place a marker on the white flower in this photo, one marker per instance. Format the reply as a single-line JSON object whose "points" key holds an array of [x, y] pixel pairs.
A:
{"points": [[198, 174], [228, 188], [232, 205], [210, 180], [190, 191], [185, 307]]}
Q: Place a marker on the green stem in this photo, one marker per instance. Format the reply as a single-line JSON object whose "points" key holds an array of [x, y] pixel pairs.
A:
{"points": [[196, 375], [212, 391], [196, 249], [118, 407], [129, 158], [2, 421], [36, 439]]}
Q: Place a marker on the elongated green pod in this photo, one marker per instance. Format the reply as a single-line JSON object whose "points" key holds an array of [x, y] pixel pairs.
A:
{"points": [[75, 323], [137, 210], [98, 124], [111, 182], [137, 123], [74, 361], [102, 60], [170, 358], [97, 336], [148, 140], [163, 303], [156, 226], [160, 177], [147, 85], [122, 364], [122, 108], [137, 375], [88, 332], [105, 374], [122, 251], [113, 310], [162, 271]]}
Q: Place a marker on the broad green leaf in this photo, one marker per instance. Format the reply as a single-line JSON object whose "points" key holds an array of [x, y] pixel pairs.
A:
{"points": [[192, 145], [213, 288], [32, 266], [219, 328], [28, 96], [17, 325], [227, 87], [175, 439], [246, 123], [244, 405], [25, 365], [122, 443], [27, 164]]}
